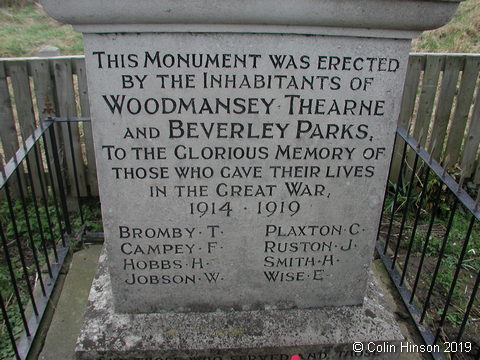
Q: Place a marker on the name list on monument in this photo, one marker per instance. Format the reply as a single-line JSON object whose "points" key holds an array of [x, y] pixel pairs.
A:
{"points": [[241, 171]]}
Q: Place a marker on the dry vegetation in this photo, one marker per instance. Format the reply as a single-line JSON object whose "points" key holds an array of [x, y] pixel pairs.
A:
{"points": [[461, 35], [24, 30]]}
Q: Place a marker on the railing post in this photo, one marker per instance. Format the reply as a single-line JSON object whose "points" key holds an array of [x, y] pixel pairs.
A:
{"points": [[62, 195]]}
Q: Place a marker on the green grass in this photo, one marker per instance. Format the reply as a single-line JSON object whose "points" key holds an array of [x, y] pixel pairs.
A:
{"points": [[24, 31], [461, 35]]}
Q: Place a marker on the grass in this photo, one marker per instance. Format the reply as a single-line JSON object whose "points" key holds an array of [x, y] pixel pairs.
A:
{"points": [[461, 35], [24, 31]]}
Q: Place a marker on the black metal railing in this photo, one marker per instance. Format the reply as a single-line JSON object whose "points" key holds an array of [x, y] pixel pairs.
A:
{"points": [[36, 232], [429, 241]]}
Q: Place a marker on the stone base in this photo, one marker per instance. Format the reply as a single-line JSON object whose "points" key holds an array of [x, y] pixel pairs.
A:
{"points": [[326, 333]]}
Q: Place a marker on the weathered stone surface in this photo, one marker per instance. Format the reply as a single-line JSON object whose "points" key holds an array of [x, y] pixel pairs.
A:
{"points": [[237, 174], [326, 333], [366, 14], [48, 51], [242, 149]]}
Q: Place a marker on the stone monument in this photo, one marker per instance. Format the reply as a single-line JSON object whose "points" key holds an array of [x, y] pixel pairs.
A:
{"points": [[242, 152]]}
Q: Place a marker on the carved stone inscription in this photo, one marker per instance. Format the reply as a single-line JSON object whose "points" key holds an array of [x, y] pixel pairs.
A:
{"points": [[241, 171]]}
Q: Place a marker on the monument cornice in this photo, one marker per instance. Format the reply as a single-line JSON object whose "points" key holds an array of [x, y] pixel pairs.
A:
{"points": [[302, 16]]}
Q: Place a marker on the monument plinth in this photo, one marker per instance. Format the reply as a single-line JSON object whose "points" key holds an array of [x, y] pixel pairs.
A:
{"points": [[242, 153]]}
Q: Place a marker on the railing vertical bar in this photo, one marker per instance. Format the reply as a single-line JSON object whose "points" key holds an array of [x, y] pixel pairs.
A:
{"points": [[404, 292], [405, 211], [469, 308], [37, 214], [386, 189], [455, 278], [63, 201], [8, 260], [54, 191], [439, 259], [19, 246], [415, 224], [43, 186], [427, 241], [75, 172], [29, 228], [399, 178], [9, 328]]}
